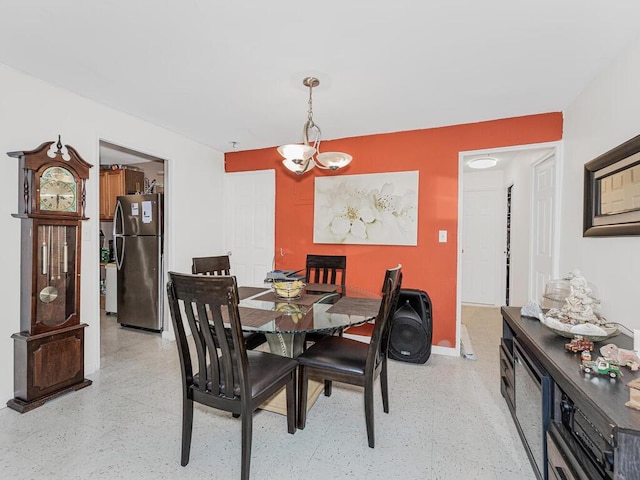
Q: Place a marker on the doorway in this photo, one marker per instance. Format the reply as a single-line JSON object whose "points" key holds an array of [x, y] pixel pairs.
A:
{"points": [[512, 179], [123, 171]]}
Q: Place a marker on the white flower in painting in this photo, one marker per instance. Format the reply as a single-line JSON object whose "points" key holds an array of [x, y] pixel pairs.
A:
{"points": [[353, 219], [385, 201], [388, 203], [349, 211]]}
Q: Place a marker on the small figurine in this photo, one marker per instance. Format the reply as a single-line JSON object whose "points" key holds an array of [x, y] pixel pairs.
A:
{"points": [[613, 353], [579, 344], [601, 367], [585, 355]]}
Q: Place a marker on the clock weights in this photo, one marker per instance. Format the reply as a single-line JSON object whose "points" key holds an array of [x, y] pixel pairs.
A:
{"points": [[49, 349]]}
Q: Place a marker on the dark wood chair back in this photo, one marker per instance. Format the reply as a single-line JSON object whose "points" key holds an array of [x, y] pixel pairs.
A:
{"points": [[326, 269], [380, 337], [203, 300], [225, 375], [219, 265], [330, 269]]}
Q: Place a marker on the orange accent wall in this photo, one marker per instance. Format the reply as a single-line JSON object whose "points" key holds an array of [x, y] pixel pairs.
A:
{"points": [[429, 266]]}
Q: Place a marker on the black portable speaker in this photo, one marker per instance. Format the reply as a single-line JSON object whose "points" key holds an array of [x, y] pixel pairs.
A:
{"points": [[411, 327]]}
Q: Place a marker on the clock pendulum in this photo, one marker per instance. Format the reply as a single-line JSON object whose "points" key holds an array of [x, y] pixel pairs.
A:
{"points": [[49, 293], [65, 253], [58, 241]]}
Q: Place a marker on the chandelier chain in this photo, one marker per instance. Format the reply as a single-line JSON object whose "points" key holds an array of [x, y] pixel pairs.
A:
{"points": [[310, 111]]}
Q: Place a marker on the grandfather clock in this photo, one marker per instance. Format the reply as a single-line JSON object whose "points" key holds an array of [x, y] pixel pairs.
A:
{"points": [[49, 349]]}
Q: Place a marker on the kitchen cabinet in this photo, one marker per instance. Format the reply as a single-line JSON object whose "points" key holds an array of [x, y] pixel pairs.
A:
{"points": [[114, 183]]}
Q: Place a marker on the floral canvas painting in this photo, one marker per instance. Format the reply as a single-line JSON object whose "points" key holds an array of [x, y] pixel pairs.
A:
{"points": [[374, 209]]}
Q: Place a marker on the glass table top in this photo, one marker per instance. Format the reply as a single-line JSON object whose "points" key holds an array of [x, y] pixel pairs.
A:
{"points": [[314, 310]]}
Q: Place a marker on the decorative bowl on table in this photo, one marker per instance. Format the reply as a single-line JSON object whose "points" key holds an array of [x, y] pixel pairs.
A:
{"points": [[557, 291], [595, 332], [288, 290]]}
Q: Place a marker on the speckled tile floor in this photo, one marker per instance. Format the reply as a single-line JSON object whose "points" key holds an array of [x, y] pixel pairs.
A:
{"points": [[447, 421]]}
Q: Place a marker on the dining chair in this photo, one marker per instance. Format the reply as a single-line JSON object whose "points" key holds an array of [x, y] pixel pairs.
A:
{"points": [[349, 361], [327, 269], [229, 377], [220, 265]]}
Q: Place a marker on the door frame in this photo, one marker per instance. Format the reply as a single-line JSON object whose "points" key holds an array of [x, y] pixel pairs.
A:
{"points": [[462, 155], [167, 329]]}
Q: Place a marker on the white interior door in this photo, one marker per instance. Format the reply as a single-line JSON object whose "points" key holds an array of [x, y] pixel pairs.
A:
{"points": [[480, 246], [543, 228], [249, 224]]}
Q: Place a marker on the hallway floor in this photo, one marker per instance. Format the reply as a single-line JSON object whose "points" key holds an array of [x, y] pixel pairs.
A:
{"points": [[447, 420]]}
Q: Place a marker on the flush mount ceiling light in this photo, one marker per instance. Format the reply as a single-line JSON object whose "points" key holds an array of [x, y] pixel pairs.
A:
{"points": [[483, 162], [299, 157]]}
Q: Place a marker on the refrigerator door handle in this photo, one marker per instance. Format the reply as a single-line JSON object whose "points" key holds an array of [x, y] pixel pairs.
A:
{"points": [[119, 252], [118, 218]]}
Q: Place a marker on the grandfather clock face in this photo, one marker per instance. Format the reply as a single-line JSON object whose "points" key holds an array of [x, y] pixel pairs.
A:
{"points": [[55, 285], [58, 191]]}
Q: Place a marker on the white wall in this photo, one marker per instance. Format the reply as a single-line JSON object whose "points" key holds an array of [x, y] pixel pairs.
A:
{"points": [[33, 112], [602, 117]]}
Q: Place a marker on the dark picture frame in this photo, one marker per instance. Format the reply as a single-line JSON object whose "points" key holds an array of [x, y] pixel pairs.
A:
{"points": [[613, 175]]}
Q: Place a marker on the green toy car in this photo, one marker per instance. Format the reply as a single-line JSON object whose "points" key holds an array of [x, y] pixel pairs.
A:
{"points": [[601, 367]]}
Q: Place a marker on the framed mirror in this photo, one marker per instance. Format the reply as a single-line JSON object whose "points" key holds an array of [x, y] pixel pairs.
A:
{"points": [[612, 192]]}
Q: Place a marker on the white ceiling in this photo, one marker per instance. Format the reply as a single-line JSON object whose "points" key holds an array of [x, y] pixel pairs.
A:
{"points": [[221, 72]]}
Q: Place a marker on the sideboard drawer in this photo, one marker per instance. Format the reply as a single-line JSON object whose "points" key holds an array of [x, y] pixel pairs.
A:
{"points": [[507, 377]]}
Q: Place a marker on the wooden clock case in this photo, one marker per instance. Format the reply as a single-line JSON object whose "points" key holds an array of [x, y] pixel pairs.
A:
{"points": [[49, 349]]}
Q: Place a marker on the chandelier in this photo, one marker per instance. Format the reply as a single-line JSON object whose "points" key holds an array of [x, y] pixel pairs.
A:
{"points": [[302, 157]]}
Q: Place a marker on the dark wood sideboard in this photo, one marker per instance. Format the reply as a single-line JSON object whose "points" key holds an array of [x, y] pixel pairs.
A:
{"points": [[573, 425]]}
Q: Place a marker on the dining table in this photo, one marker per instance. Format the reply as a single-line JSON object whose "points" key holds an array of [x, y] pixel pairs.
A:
{"points": [[286, 321]]}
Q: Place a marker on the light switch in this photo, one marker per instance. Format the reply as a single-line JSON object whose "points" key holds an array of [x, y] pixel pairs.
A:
{"points": [[442, 236]]}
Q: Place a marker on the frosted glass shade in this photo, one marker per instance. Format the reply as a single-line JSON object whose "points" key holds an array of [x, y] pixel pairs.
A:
{"points": [[297, 167], [296, 151], [334, 160]]}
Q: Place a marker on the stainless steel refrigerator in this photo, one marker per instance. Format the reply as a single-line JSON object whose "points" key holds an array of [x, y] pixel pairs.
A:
{"points": [[138, 239]]}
